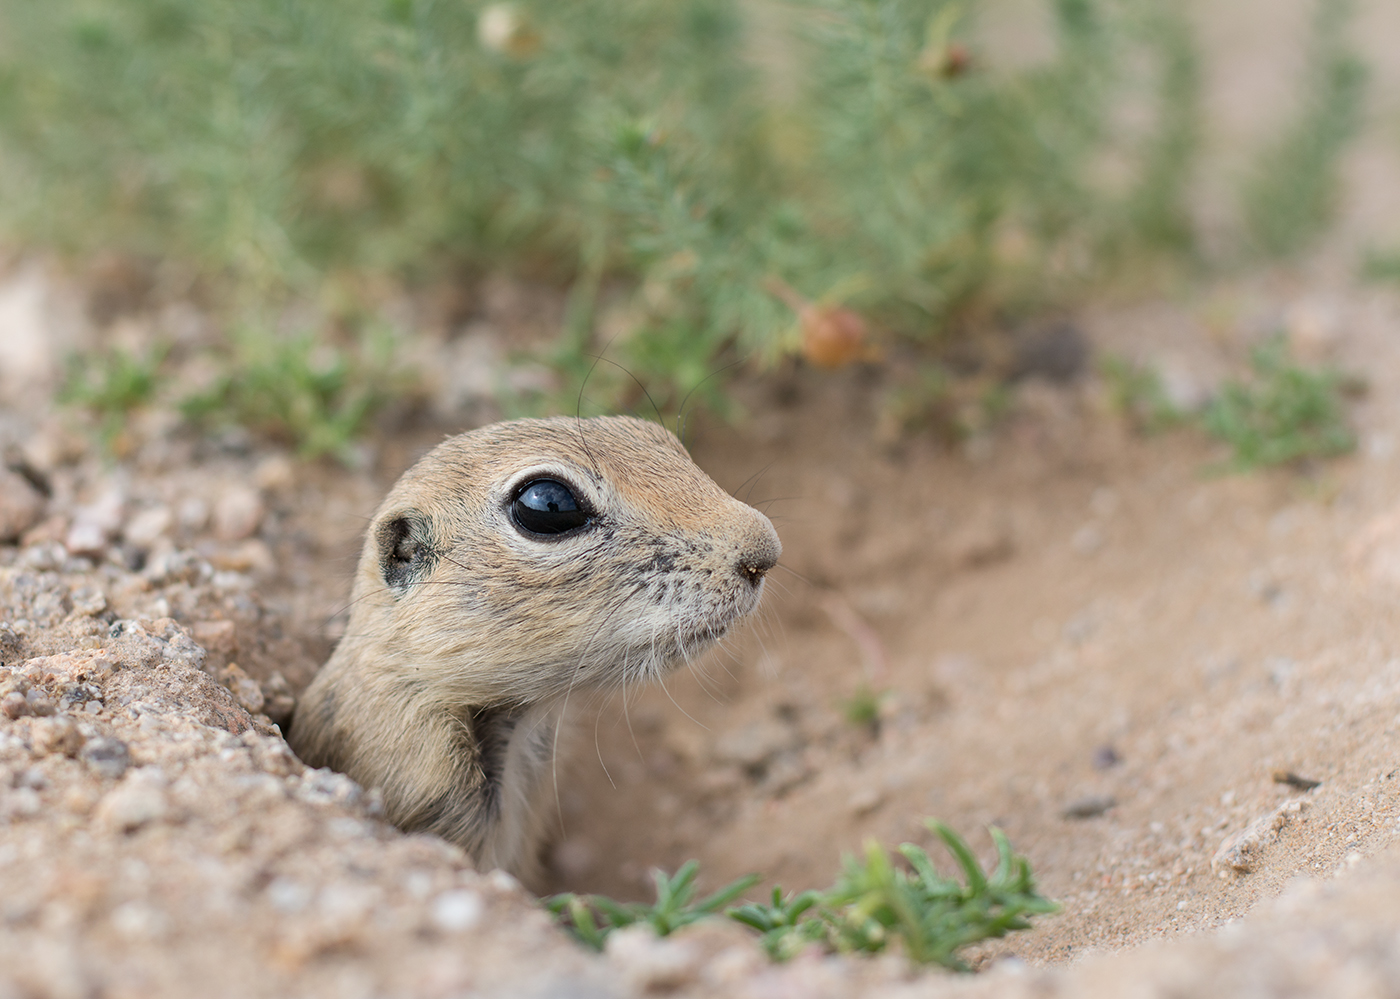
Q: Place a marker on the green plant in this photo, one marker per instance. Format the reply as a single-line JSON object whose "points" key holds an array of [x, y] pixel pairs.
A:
{"points": [[1291, 195], [873, 904], [592, 917], [111, 384], [300, 390], [862, 708], [627, 148], [788, 924], [1381, 266], [1283, 413]]}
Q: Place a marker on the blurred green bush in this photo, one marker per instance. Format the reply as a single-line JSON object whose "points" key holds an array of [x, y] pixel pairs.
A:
{"points": [[891, 169]]}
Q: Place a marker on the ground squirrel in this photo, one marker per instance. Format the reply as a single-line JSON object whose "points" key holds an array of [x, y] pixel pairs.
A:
{"points": [[510, 567]]}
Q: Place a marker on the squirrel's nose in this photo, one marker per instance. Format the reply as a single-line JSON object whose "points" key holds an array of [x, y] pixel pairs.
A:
{"points": [[760, 554]]}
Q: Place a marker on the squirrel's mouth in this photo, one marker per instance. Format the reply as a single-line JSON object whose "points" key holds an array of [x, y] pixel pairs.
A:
{"points": [[699, 639]]}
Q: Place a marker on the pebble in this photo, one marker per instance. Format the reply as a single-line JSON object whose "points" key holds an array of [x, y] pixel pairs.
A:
{"points": [[21, 505], [88, 602], [1240, 852], [275, 473], [32, 778], [149, 526], [14, 705], [649, 963], [324, 787], [105, 756], [56, 735], [96, 524], [504, 882], [237, 514], [454, 911], [1105, 757], [244, 688], [219, 637], [137, 801], [287, 895], [1089, 807], [174, 566], [192, 514]]}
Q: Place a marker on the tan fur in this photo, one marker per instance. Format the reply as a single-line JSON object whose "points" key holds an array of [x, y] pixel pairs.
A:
{"points": [[458, 675]]}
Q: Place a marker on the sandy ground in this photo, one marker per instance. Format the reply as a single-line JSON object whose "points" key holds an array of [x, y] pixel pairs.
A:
{"points": [[1083, 635]]}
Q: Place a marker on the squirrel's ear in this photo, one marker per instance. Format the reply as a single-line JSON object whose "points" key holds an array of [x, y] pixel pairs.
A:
{"points": [[404, 542]]}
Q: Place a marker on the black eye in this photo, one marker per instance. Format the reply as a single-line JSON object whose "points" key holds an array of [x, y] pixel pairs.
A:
{"points": [[547, 507]]}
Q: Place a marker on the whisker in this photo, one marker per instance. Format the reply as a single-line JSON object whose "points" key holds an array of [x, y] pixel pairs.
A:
{"points": [[794, 572], [752, 480], [623, 368], [680, 413], [662, 684]]}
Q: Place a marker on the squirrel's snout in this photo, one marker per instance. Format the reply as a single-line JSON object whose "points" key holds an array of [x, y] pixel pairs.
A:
{"points": [[760, 554]]}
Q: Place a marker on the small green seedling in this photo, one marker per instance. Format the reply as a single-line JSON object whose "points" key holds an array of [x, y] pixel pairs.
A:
{"points": [[592, 917], [873, 904], [111, 384], [1284, 413], [788, 923], [862, 708], [933, 916]]}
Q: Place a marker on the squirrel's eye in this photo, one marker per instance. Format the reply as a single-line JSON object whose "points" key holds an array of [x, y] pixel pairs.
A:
{"points": [[545, 506]]}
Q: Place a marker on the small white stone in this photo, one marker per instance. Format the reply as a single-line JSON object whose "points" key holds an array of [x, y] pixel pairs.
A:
{"points": [[237, 514], [96, 524], [136, 921], [287, 895], [418, 884], [139, 800], [148, 526], [454, 911], [21, 505], [503, 882], [192, 514]]}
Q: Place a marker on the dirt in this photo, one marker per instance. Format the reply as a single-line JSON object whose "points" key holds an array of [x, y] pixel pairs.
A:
{"points": [[1135, 665], [1085, 637]]}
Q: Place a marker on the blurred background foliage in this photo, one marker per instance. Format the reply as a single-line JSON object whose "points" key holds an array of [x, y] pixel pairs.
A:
{"points": [[762, 179]]}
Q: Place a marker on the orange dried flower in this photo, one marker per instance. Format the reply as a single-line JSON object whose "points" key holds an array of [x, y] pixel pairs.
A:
{"points": [[832, 335]]}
